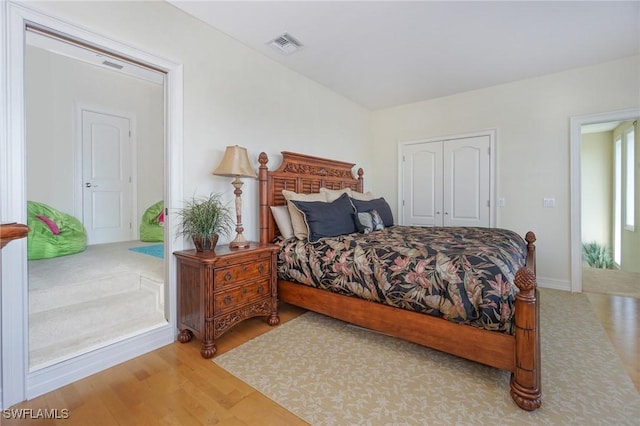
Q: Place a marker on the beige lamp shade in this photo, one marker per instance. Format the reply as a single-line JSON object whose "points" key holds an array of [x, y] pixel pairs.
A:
{"points": [[235, 163]]}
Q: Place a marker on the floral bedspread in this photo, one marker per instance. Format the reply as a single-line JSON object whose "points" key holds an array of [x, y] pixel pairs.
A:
{"points": [[461, 274]]}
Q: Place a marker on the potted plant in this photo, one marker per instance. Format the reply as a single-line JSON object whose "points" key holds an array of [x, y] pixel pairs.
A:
{"points": [[204, 219]]}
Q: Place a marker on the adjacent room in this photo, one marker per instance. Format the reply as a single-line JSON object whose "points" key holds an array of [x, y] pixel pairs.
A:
{"points": [[94, 177], [439, 201]]}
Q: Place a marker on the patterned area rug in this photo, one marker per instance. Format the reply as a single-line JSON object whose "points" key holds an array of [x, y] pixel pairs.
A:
{"points": [[330, 373]]}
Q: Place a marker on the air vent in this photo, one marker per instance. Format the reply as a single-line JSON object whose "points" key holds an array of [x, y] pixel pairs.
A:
{"points": [[112, 65], [286, 44]]}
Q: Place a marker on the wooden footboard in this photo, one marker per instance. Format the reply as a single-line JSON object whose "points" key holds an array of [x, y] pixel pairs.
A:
{"points": [[518, 353]]}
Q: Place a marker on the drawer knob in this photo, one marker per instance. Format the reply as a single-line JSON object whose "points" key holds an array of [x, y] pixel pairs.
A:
{"points": [[260, 289], [228, 276], [261, 268], [227, 300]]}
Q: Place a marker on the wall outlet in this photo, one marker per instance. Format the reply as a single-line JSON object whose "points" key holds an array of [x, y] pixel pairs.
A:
{"points": [[549, 203], [502, 202]]}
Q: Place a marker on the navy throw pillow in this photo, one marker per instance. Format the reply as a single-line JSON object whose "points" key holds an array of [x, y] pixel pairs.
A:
{"points": [[327, 219]]}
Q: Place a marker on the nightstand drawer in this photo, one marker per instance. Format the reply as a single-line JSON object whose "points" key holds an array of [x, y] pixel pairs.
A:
{"points": [[231, 275], [236, 297]]}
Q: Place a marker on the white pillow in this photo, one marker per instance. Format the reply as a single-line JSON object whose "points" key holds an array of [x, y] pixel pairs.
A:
{"points": [[334, 194], [283, 220], [297, 218], [362, 196]]}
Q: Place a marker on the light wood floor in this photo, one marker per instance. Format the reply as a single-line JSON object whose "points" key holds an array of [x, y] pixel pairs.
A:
{"points": [[175, 386]]}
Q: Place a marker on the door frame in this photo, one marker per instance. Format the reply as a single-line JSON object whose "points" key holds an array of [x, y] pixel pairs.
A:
{"points": [[17, 382], [576, 124], [78, 206], [491, 133]]}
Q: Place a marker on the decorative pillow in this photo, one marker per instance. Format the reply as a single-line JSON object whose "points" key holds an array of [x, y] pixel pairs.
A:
{"points": [[327, 219], [363, 196], [283, 220], [50, 223], [334, 194], [297, 219], [369, 221], [378, 204], [160, 218]]}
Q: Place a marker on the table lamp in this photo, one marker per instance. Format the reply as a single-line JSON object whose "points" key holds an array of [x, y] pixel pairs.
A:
{"points": [[235, 163]]}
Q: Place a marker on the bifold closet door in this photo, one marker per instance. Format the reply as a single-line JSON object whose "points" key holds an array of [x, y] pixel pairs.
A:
{"points": [[466, 181], [422, 184], [447, 183]]}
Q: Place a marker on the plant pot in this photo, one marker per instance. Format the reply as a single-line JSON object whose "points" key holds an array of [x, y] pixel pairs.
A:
{"points": [[205, 244]]}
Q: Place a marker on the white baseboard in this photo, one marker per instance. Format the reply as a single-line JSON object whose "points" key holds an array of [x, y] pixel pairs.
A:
{"points": [[55, 376], [554, 284]]}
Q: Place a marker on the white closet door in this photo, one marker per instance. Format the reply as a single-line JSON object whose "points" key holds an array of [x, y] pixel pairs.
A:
{"points": [[422, 184], [466, 181], [447, 182]]}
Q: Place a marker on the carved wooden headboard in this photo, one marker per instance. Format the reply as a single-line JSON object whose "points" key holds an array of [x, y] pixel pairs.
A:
{"points": [[303, 174]]}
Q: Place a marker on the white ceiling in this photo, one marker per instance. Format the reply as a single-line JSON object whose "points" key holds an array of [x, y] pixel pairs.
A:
{"points": [[386, 53]]}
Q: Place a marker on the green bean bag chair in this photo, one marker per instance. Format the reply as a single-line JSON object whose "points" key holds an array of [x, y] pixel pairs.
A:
{"points": [[52, 233], [152, 223]]}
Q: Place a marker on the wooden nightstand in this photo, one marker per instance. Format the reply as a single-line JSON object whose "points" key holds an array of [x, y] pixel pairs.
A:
{"points": [[217, 290]]}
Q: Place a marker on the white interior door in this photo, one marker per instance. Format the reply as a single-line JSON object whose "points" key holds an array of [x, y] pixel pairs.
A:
{"points": [[422, 184], [106, 177], [447, 182], [466, 182]]}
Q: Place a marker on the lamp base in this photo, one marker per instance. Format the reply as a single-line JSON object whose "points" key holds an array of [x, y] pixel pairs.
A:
{"points": [[239, 242]]}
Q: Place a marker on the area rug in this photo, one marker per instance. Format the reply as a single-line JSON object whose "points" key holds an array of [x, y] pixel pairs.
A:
{"points": [[156, 250], [330, 373]]}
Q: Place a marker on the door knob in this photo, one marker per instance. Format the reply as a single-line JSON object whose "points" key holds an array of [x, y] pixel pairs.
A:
{"points": [[88, 185]]}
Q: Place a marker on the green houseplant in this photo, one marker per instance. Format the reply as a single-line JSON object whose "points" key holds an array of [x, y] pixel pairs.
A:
{"points": [[204, 219], [597, 256]]}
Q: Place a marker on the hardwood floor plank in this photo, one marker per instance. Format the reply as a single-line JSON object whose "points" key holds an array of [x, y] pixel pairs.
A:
{"points": [[620, 317], [174, 385]]}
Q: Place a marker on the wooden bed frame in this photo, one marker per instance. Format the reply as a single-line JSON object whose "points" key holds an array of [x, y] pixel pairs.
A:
{"points": [[518, 353]]}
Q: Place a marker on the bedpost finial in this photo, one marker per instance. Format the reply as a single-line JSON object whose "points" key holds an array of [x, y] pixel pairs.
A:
{"points": [[262, 159], [360, 173], [530, 237], [525, 279]]}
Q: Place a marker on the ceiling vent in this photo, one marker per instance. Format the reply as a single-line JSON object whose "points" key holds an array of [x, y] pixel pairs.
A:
{"points": [[112, 64], [285, 44]]}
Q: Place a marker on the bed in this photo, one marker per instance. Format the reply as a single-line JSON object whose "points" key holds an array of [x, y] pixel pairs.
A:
{"points": [[512, 345]]}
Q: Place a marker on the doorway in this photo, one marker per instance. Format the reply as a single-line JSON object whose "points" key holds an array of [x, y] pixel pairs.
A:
{"points": [[18, 383], [611, 246], [105, 291], [581, 215]]}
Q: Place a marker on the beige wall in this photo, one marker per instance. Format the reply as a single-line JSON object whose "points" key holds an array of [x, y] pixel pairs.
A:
{"points": [[597, 187], [55, 86], [532, 121], [232, 95], [630, 259]]}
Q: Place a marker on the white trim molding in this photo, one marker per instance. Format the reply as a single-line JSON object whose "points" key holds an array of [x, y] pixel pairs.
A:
{"points": [[576, 183], [17, 382]]}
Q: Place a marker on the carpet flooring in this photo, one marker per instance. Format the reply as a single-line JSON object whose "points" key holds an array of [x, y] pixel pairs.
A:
{"points": [[87, 300], [330, 373]]}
